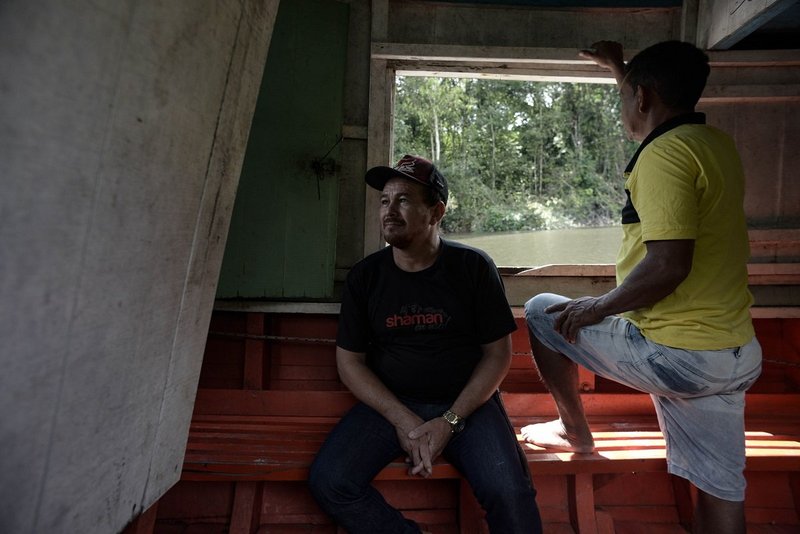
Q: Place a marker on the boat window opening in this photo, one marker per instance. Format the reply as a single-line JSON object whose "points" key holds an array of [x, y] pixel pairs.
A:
{"points": [[535, 169]]}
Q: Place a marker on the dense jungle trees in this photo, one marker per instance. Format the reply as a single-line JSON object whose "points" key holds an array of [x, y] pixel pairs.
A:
{"points": [[518, 155]]}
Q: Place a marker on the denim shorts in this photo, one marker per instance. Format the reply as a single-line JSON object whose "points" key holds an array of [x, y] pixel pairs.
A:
{"points": [[698, 394]]}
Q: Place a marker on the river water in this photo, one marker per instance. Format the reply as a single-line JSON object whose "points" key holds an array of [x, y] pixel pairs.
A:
{"points": [[544, 247]]}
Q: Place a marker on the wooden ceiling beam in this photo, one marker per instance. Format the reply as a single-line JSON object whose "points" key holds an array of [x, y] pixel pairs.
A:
{"points": [[726, 22]]}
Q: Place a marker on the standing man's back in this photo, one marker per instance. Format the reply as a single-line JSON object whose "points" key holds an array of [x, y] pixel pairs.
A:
{"points": [[689, 183], [677, 325]]}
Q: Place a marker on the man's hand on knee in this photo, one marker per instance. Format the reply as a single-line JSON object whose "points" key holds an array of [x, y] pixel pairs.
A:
{"points": [[574, 315]]}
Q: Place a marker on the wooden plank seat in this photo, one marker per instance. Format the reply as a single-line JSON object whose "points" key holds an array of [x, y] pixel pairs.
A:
{"points": [[274, 435], [270, 394]]}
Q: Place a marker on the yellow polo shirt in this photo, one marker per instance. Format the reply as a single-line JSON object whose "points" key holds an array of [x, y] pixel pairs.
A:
{"points": [[688, 183]]}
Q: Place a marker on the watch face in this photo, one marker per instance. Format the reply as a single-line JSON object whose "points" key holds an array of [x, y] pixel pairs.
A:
{"points": [[456, 422]]}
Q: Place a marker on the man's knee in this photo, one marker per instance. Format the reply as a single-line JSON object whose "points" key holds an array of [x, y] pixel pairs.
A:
{"points": [[326, 485], [536, 305], [318, 481], [535, 315]]}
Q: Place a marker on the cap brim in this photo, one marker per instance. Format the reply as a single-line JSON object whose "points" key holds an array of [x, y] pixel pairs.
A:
{"points": [[377, 177]]}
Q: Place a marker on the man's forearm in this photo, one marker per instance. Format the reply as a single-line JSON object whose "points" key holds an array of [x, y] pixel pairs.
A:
{"points": [[636, 293], [368, 388], [657, 276], [664, 267], [486, 377]]}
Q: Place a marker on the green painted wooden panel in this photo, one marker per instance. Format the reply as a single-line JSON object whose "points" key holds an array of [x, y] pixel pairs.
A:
{"points": [[282, 237]]}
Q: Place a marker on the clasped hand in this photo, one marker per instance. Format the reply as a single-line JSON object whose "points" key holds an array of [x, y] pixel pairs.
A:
{"points": [[424, 444], [574, 315]]}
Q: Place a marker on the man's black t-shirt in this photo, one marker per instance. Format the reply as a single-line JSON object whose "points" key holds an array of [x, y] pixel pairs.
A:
{"points": [[422, 331]]}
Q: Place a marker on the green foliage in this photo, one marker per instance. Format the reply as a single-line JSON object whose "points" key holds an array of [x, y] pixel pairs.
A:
{"points": [[517, 155]]}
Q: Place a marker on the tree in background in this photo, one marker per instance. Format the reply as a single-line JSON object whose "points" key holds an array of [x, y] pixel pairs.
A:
{"points": [[517, 155]]}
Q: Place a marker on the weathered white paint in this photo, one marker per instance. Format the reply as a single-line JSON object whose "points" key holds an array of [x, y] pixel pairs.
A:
{"points": [[726, 22], [123, 130], [447, 23]]}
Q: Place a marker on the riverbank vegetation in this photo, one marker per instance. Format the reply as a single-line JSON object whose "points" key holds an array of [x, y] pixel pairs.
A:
{"points": [[518, 155]]}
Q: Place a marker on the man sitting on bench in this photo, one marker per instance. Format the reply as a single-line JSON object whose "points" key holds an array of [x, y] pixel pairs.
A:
{"points": [[424, 341]]}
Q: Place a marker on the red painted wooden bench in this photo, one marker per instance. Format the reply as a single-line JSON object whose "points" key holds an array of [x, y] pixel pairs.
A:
{"points": [[274, 435], [261, 415]]}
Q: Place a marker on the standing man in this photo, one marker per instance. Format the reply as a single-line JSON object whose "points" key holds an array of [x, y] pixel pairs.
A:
{"points": [[677, 325], [424, 341]]}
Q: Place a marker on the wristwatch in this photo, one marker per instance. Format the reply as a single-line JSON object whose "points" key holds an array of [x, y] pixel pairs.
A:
{"points": [[456, 422]]}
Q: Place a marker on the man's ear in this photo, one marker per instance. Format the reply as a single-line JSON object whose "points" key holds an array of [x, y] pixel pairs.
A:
{"points": [[644, 99], [438, 212]]}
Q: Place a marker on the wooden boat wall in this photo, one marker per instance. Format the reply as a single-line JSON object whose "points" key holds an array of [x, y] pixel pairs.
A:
{"points": [[183, 196]]}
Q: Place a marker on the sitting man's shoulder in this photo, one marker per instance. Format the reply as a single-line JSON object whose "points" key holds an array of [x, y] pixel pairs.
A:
{"points": [[467, 252]]}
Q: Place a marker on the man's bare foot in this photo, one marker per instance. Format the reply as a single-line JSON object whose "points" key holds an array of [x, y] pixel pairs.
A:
{"points": [[553, 435]]}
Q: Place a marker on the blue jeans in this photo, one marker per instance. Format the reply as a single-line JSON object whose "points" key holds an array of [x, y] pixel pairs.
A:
{"points": [[486, 453]]}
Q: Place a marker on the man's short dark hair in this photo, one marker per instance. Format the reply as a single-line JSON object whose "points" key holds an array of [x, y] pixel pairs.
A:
{"points": [[675, 70], [431, 197]]}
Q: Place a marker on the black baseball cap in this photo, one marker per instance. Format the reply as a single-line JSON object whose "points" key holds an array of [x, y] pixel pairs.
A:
{"points": [[414, 168]]}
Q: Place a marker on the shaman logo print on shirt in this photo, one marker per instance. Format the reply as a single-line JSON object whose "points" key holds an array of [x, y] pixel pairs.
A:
{"points": [[418, 318]]}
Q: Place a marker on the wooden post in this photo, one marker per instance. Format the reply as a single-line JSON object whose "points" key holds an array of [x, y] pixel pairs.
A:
{"points": [[254, 352], [470, 514], [581, 503], [246, 508]]}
